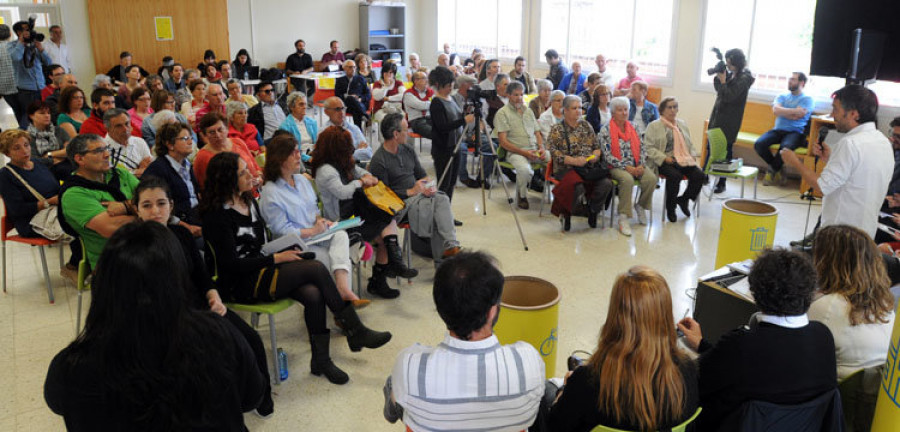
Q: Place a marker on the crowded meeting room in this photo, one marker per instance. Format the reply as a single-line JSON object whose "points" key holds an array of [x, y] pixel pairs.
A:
{"points": [[450, 215]]}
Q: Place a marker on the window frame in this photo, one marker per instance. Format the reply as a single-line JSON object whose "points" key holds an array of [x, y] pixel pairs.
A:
{"points": [[523, 37]]}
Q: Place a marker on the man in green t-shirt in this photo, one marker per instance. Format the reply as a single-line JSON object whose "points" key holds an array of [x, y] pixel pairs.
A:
{"points": [[96, 200]]}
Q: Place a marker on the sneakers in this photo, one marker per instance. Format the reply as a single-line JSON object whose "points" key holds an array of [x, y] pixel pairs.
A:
{"points": [[452, 251], [641, 214], [624, 226]]}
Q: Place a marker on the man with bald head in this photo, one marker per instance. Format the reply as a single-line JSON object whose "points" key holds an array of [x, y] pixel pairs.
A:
{"points": [[573, 82], [354, 91], [215, 102], [334, 110], [624, 86], [605, 77]]}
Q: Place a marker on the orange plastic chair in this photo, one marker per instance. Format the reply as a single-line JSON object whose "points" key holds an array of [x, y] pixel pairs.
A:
{"points": [[548, 180], [40, 242]]}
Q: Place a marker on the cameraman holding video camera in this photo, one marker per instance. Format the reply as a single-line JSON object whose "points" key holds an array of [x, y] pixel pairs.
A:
{"points": [[732, 82], [29, 59]]}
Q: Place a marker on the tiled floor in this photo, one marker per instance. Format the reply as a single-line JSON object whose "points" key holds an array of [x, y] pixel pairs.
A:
{"points": [[582, 263]]}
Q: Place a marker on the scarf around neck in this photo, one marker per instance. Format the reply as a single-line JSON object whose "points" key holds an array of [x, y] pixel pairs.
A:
{"points": [[629, 134], [680, 151]]}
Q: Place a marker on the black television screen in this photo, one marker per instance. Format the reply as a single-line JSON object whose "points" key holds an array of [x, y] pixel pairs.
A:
{"points": [[835, 21]]}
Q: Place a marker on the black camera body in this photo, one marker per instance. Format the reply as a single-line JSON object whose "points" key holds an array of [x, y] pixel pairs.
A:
{"points": [[474, 96], [720, 66], [33, 36]]}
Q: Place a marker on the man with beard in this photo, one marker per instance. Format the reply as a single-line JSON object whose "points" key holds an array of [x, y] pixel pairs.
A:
{"points": [[299, 62], [792, 111], [101, 100]]}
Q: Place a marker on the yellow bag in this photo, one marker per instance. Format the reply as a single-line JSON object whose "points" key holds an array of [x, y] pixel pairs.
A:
{"points": [[384, 198]]}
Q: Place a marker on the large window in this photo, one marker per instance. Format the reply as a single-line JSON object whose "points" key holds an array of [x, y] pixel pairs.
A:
{"points": [[776, 36], [621, 30], [494, 26]]}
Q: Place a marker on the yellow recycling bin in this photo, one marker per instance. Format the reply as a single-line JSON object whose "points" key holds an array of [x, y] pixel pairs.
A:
{"points": [[747, 228], [887, 409], [529, 312]]}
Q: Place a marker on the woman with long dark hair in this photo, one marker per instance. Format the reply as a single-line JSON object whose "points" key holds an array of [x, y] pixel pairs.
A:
{"points": [[341, 184], [637, 378], [241, 64], [144, 360], [235, 231]]}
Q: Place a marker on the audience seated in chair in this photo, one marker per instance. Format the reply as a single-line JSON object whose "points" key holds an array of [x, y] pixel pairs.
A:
{"points": [[184, 93], [594, 79], [304, 129], [48, 142], [102, 99], [624, 85], [299, 62], [641, 112], [598, 114], [95, 199], [518, 133], [153, 203], [353, 89], [215, 102], [235, 231], [176, 80], [72, 109], [161, 101], [388, 93], [427, 210], [21, 204], [792, 111], [334, 110], [290, 204], [670, 153], [541, 103], [467, 291], [638, 379], [172, 166], [268, 114], [573, 82], [213, 129], [497, 99], [340, 183], [553, 115], [518, 73], [238, 127], [416, 103], [570, 143], [856, 302], [627, 159], [334, 57], [119, 73], [134, 81], [236, 93], [140, 110], [198, 100], [781, 358], [139, 320], [125, 149]]}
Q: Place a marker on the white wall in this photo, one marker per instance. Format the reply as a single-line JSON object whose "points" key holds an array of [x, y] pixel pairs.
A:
{"points": [[78, 37]]}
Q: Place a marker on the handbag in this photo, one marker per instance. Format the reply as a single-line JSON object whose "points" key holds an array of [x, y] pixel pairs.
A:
{"points": [[46, 221], [384, 198], [590, 172]]}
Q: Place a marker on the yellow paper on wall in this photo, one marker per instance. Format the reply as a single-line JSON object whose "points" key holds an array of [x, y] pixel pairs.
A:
{"points": [[164, 29]]}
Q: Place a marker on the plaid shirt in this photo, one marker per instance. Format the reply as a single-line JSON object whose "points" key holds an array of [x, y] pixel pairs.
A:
{"points": [[7, 74]]}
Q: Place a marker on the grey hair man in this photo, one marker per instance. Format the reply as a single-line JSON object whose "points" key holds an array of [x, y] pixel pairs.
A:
{"points": [[517, 131], [125, 150]]}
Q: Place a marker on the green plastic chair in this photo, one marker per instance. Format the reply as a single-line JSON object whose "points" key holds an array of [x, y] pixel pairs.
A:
{"points": [[718, 151], [501, 161], [679, 428], [255, 310], [84, 269], [859, 392]]}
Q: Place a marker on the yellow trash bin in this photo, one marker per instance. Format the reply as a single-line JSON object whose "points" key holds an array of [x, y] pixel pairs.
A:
{"points": [[529, 312], [747, 228], [887, 409]]}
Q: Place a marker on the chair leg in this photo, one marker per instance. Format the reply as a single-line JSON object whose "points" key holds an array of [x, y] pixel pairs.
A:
{"points": [[3, 247], [662, 213], [46, 273], [276, 374], [407, 246], [254, 319], [742, 187], [61, 253], [78, 315], [755, 182]]}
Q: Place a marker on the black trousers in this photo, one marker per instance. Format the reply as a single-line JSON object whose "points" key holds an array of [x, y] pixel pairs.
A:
{"points": [[308, 282], [441, 160], [356, 109], [674, 174]]}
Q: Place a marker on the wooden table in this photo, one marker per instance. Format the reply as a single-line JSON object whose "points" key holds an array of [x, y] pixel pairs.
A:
{"points": [[816, 122]]}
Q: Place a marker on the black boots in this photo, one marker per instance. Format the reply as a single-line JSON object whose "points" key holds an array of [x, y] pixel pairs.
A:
{"points": [[321, 363], [378, 283], [358, 335], [395, 266]]}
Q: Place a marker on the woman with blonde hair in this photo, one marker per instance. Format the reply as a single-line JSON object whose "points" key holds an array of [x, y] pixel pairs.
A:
{"points": [[855, 302], [637, 378]]}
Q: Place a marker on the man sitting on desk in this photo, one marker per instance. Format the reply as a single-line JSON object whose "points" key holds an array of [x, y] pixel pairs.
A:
{"points": [[858, 171], [334, 57], [792, 111], [334, 110], [299, 62], [354, 91], [268, 114]]}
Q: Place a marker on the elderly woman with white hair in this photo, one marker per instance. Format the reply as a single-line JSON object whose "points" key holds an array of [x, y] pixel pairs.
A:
{"points": [[102, 81], [303, 128], [542, 102], [625, 156], [670, 153], [238, 127], [415, 65], [552, 115]]}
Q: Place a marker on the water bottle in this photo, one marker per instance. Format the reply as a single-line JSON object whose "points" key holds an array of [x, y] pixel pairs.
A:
{"points": [[282, 364], [246, 74]]}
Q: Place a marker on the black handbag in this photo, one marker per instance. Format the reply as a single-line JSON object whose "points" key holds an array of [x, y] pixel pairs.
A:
{"points": [[590, 172]]}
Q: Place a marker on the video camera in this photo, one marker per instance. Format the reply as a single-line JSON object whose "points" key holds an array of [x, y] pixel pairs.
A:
{"points": [[474, 96], [720, 66], [33, 36]]}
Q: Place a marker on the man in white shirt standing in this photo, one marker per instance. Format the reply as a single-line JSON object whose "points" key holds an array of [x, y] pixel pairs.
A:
{"points": [[57, 50], [469, 381], [858, 171], [605, 76], [125, 150]]}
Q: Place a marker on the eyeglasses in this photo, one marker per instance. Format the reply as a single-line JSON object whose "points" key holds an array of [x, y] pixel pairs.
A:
{"points": [[184, 138], [97, 150], [266, 91]]}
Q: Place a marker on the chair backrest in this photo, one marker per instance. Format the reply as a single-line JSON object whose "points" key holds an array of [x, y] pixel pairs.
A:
{"points": [[859, 392], [211, 262], [680, 428], [718, 146], [821, 414], [5, 226], [84, 268]]}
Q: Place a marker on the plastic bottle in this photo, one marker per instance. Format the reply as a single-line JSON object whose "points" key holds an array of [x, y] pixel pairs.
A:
{"points": [[246, 75], [282, 364]]}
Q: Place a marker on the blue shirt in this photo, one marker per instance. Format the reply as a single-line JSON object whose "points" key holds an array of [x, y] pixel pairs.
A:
{"points": [[286, 208], [788, 100], [28, 78]]}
